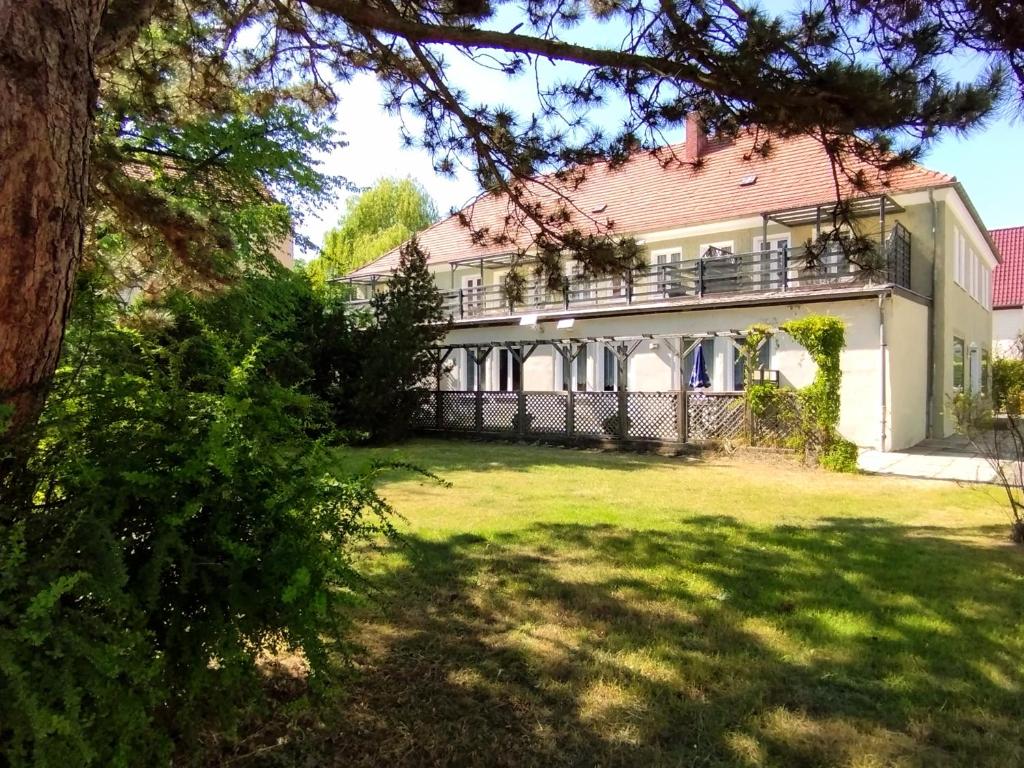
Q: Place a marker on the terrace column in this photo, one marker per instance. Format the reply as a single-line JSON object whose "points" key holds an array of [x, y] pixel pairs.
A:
{"points": [[622, 362]]}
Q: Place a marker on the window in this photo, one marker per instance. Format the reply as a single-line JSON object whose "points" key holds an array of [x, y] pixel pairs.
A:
{"points": [[667, 264], [710, 250], [959, 257], [739, 378], [767, 269], [610, 370], [707, 347], [470, 368], [581, 288], [984, 384], [958, 364], [472, 295], [974, 369], [574, 374], [510, 372]]}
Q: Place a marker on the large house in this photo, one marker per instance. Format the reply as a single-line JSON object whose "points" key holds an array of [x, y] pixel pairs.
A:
{"points": [[723, 240], [1008, 291]]}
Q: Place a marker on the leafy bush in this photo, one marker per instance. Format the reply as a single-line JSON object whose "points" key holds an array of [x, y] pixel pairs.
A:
{"points": [[181, 514], [840, 456], [1007, 383], [809, 415]]}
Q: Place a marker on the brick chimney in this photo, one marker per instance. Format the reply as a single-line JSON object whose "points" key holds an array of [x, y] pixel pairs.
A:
{"points": [[696, 139]]}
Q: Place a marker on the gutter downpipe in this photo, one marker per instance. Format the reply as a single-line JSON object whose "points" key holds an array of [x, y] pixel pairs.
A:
{"points": [[884, 351], [930, 396]]}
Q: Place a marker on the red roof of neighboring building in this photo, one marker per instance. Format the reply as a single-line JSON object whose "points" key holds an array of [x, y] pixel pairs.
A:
{"points": [[646, 194], [1008, 281]]}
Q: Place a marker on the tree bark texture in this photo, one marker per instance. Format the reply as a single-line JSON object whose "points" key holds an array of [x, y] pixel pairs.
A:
{"points": [[47, 93]]}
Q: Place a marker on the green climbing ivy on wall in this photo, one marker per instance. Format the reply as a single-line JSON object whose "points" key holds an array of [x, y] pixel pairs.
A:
{"points": [[816, 415]]}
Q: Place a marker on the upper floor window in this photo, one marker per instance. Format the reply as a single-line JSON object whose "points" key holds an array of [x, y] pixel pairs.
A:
{"points": [[769, 262], [970, 271], [666, 263]]}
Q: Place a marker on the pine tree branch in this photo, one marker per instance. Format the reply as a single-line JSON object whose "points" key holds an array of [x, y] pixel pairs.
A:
{"points": [[121, 24], [363, 14]]}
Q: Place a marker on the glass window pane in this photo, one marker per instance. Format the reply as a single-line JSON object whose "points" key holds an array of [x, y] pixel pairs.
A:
{"points": [[958, 363], [610, 370], [581, 371]]}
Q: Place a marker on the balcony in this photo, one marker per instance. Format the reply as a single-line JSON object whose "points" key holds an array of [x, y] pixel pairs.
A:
{"points": [[759, 272], [723, 275]]}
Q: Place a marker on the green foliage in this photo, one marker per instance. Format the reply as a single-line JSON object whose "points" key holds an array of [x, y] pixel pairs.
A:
{"points": [[374, 380], [182, 514], [840, 456], [375, 221], [810, 414], [198, 172], [1007, 383], [823, 337], [972, 412]]}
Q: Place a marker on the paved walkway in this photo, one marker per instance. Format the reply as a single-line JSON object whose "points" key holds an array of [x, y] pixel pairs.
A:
{"points": [[951, 458]]}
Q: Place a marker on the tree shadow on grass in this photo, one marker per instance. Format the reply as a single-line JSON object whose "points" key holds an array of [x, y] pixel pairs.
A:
{"points": [[443, 456], [854, 642]]}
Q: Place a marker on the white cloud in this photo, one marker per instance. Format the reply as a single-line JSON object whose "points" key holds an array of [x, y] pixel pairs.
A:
{"points": [[375, 150]]}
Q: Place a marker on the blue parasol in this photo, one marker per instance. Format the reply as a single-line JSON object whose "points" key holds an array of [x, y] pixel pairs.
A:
{"points": [[699, 376]]}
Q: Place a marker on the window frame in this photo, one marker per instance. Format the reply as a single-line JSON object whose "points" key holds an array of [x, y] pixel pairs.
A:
{"points": [[962, 365]]}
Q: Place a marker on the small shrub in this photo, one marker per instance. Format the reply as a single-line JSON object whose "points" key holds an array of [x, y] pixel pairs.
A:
{"points": [[840, 456], [1007, 383]]}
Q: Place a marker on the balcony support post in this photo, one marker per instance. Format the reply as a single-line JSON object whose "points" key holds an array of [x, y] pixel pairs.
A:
{"points": [[881, 226], [621, 362], [629, 286], [700, 276], [462, 305]]}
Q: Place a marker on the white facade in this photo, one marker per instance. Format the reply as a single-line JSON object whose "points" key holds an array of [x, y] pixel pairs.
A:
{"points": [[917, 332], [1007, 325], [873, 374]]}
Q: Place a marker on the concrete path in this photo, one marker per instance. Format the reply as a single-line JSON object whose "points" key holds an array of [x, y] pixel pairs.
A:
{"points": [[951, 458]]}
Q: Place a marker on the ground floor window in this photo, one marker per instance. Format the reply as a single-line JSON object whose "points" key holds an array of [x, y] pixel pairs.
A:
{"points": [[610, 372], [707, 347], [574, 374], [739, 363], [958, 363], [974, 371], [510, 372], [469, 371]]}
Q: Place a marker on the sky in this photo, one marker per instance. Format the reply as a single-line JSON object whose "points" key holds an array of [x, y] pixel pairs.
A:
{"points": [[989, 161]]}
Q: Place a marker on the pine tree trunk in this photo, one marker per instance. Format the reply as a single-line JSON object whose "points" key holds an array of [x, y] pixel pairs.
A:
{"points": [[47, 92]]}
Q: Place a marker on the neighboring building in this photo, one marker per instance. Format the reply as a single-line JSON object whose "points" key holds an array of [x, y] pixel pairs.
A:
{"points": [[724, 246], [1008, 291]]}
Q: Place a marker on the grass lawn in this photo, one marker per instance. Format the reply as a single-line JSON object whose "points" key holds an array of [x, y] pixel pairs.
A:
{"points": [[560, 607]]}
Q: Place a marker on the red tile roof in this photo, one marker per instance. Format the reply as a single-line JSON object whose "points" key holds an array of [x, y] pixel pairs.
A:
{"points": [[647, 195], [1008, 281]]}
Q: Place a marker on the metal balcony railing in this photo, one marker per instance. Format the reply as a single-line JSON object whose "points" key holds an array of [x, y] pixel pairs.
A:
{"points": [[786, 269], [722, 274]]}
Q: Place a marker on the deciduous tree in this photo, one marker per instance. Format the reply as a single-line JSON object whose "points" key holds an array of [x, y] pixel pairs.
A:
{"points": [[375, 221]]}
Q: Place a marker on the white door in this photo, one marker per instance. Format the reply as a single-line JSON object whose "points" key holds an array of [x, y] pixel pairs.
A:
{"points": [[472, 295], [767, 269], [667, 262]]}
